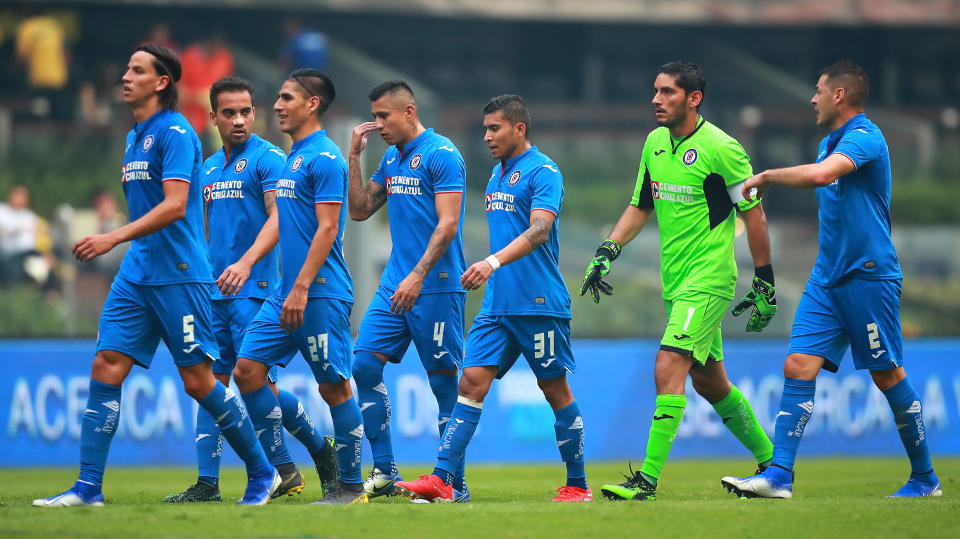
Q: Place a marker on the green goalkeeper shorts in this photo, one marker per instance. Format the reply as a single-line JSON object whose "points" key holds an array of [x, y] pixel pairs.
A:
{"points": [[693, 325]]}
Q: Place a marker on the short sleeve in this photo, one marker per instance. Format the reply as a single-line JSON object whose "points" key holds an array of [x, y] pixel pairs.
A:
{"points": [[547, 186], [270, 167], [860, 146], [380, 176], [732, 163], [447, 170], [179, 153], [329, 177]]}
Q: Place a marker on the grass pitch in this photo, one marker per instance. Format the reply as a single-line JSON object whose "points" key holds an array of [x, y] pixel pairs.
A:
{"points": [[835, 497]]}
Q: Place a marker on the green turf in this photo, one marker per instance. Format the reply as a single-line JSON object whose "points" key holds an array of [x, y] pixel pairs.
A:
{"points": [[833, 498]]}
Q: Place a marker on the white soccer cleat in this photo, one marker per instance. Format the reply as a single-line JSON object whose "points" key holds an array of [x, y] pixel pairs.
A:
{"points": [[760, 486], [69, 498]]}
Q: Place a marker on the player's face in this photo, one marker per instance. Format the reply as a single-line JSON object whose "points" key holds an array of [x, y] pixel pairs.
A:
{"points": [[393, 118], [234, 117], [141, 81], [293, 108], [822, 102], [670, 102], [501, 137]]}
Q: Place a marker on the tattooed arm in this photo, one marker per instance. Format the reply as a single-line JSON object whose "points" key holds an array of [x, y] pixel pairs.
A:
{"points": [[364, 198], [541, 221]]}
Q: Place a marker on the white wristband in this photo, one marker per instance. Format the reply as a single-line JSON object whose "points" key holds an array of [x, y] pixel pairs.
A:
{"points": [[494, 263]]}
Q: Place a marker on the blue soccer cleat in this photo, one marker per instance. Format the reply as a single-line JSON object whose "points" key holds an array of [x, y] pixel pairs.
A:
{"points": [[918, 485], [461, 496], [70, 498], [774, 482], [380, 483], [261, 489]]}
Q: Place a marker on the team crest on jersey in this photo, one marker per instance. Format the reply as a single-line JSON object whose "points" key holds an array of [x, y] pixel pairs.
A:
{"points": [[415, 162], [514, 178], [690, 157], [296, 163], [241, 165], [207, 193], [147, 142]]}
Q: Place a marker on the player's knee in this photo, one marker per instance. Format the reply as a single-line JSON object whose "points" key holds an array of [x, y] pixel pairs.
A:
{"points": [[247, 374], [556, 391], [110, 367], [801, 367], [367, 369], [887, 378], [474, 385]]}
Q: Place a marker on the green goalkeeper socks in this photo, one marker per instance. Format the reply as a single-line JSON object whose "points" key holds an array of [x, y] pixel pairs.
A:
{"points": [[738, 417], [663, 430]]}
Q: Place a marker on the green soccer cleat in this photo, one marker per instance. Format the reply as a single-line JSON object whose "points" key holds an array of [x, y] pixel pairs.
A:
{"points": [[290, 484], [634, 488], [201, 491], [328, 467]]}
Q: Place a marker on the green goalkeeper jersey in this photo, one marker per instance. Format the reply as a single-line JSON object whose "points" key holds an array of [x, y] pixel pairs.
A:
{"points": [[689, 183]]}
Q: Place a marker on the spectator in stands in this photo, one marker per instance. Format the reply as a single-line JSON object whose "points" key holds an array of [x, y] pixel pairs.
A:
{"points": [[19, 228], [108, 218], [160, 35], [305, 47], [42, 47], [204, 63]]}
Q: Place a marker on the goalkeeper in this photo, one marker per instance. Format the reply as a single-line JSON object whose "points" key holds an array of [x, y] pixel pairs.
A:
{"points": [[692, 174]]}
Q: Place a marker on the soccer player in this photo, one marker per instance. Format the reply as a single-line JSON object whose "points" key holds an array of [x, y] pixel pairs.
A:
{"points": [[240, 196], [162, 290], [691, 174], [421, 178], [519, 315], [312, 311], [852, 298]]}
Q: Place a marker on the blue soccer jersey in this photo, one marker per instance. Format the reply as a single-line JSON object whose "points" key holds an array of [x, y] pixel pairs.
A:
{"points": [[164, 148], [427, 166], [855, 210], [315, 173], [233, 194], [532, 285]]}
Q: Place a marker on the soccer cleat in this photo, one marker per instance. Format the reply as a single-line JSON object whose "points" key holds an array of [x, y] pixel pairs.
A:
{"points": [[461, 496], [427, 487], [918, 485], [774, 482], [567, 493], [634, 488], [328, 467], [201, 491], [289, 485], [344, 494], [260, 489], [381, 484], [70, 498]]}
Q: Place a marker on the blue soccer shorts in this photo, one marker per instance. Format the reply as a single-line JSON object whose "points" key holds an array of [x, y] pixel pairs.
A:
{"points": [[859, 313], [136, 317], [231, 318], [497, 341], [435, 325], [323, 339]]}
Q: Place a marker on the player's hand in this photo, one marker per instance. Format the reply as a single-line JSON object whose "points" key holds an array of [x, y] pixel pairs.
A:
{"points": [[407, 293], [93, 246], [755, 187], [476, 275], [598, 268], [291, 315], [358, 141], [231, 280], [763, 299]]}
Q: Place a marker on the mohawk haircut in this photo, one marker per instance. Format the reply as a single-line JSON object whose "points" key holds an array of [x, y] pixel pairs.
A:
{"points": [[228, 84], [394, 86], [314, 83], [514, 110], [852, 78], [165, 63]]}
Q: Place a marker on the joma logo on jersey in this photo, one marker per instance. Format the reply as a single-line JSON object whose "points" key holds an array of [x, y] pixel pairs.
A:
{"points": [[240, 166], [514, 178], [296, 163], [672, 192]]}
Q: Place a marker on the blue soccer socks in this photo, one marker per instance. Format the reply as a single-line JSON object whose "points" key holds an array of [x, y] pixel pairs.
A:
{"points": [[796, 406], [375, 406], [209, 446], [905, 403], [297, 422], [267, 419], [100, 421], [228, 411], [445, 389], [348, 431], [569, 430], [453, 444]]}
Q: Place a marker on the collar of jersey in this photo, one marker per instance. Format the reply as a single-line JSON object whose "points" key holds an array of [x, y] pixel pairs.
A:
{"points": [[675, 147], [308, 139], [238, 150], [142, 126], [413, 144], [508, 164], [851, 123]]}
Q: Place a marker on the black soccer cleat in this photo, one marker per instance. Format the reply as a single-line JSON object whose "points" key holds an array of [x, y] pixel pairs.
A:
{"points": [[201, 491], [328, 467]]}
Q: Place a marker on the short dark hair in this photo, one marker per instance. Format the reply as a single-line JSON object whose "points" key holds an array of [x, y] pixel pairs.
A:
{"points": [[687, 75], [852, 78], [389, 87], [514, 110], [314, 82], [228, 84], [165, 62]]}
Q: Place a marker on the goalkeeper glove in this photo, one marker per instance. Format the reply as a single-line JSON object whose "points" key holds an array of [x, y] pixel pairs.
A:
{"points": [[762, 298], [599, 267]]}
